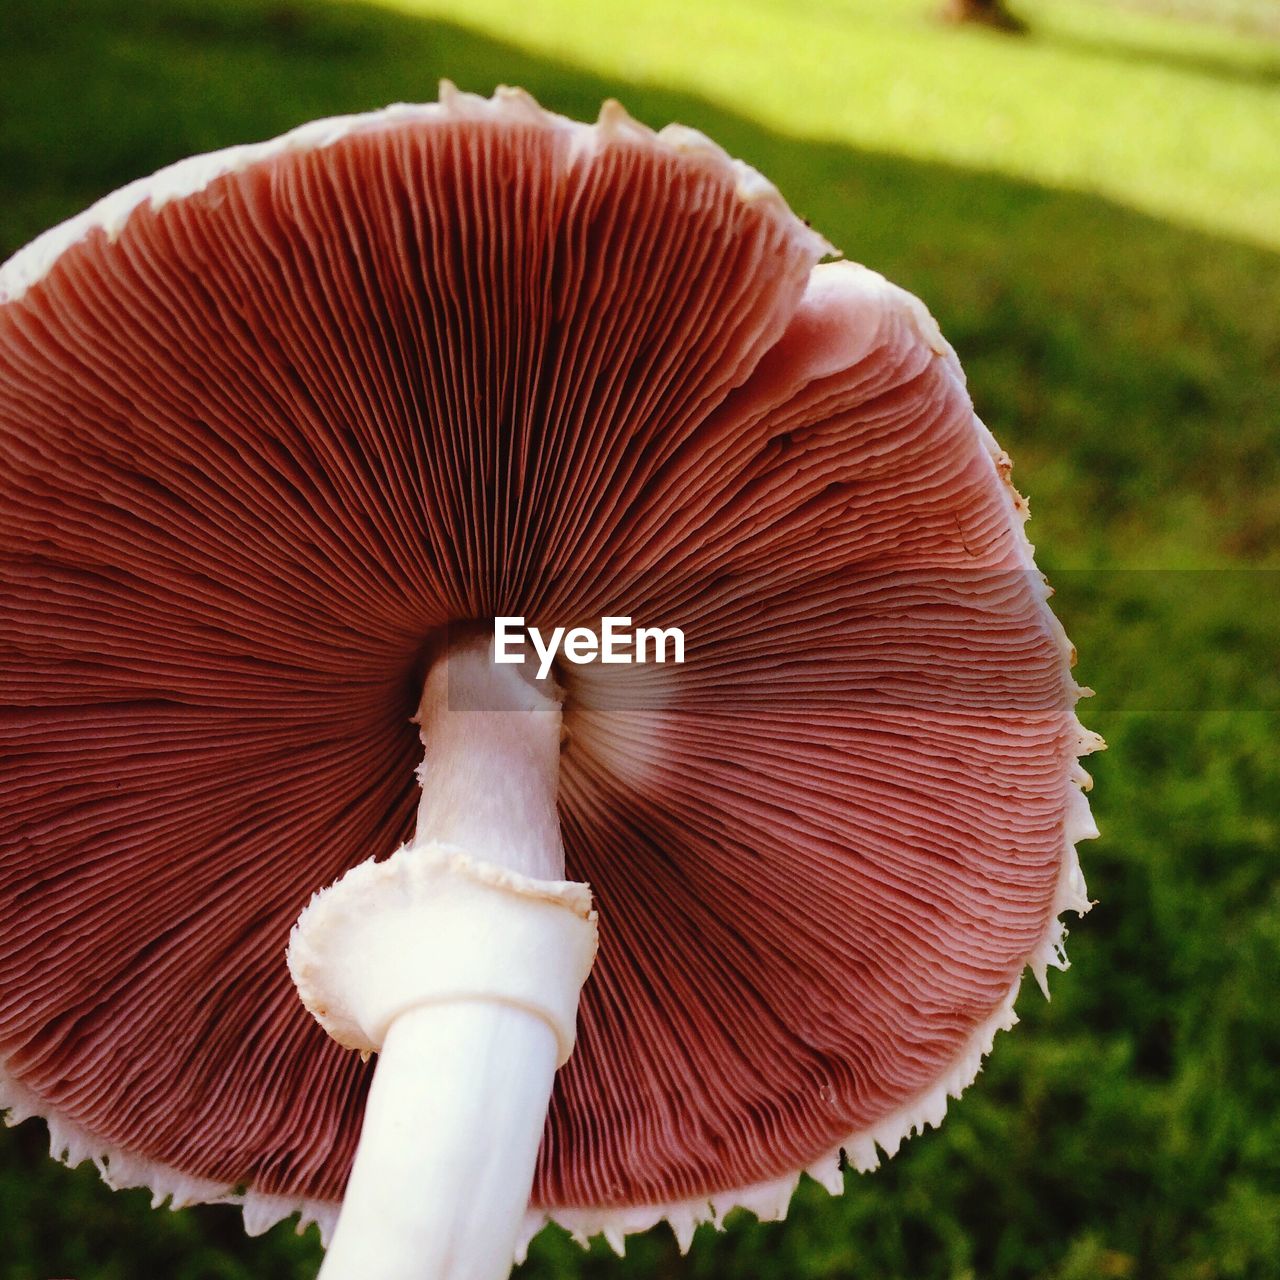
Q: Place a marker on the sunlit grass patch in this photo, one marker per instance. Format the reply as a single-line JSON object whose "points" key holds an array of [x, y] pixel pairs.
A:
{"points": [[1171, 117]]}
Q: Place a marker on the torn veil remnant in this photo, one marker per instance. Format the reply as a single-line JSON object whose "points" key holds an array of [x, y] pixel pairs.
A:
{"points": [[273, 424]]}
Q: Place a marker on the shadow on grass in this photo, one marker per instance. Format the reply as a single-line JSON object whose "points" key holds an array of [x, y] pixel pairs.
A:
{"points": [[1264, 70], [1132, 367]]}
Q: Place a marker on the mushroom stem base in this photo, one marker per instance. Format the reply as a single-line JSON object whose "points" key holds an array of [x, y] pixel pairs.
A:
{"points": [[451, 1132]]}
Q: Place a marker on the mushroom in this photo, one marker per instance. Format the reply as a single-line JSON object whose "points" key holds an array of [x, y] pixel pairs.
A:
{"points": [[282, 430]]}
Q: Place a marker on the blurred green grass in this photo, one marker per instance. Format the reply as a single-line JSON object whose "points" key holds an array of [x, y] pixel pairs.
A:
{"points": [[1093, 213], [1101, 99]]}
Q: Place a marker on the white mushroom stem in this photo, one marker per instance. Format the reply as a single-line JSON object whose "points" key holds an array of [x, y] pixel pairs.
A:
{"points": [[459, 960]]}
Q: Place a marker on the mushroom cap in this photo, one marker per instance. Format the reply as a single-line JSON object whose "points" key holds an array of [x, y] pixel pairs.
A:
{"points": [[274, 419]]}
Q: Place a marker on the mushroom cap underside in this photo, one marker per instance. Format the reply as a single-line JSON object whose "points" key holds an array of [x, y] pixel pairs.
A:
{"points": [[273, 422]]}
